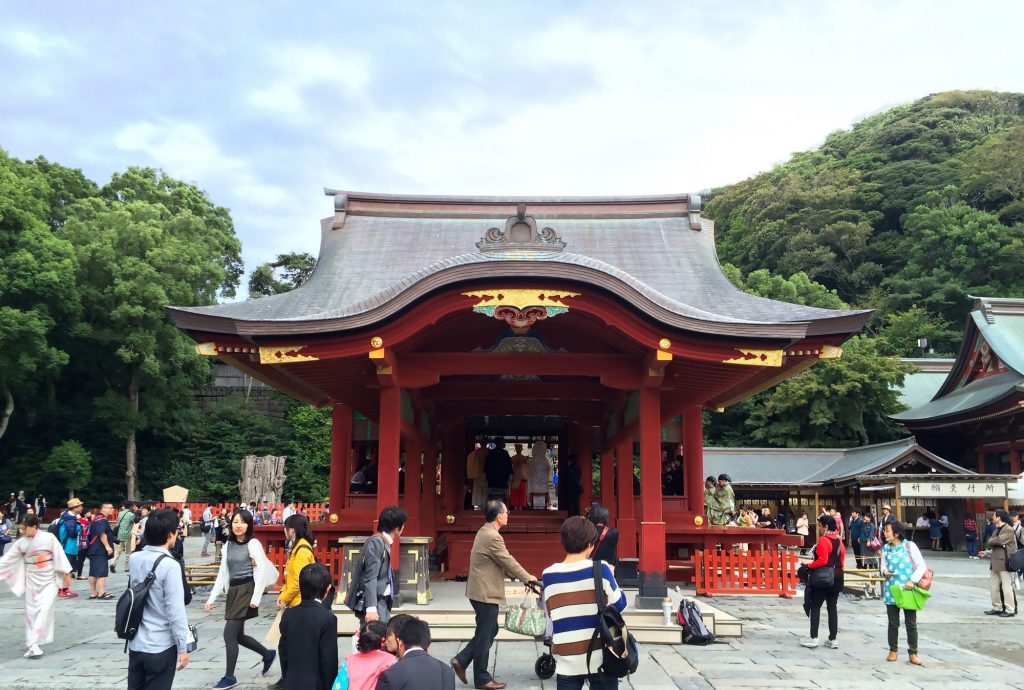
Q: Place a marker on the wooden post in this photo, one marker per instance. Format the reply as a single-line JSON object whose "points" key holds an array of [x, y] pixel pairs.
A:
{"points": [[585, 458], [413, 485], [626, 521], [389, 434], [817, 512], [341, 454], [693, 458], [899, 503], [653, 563], [608, 480]]}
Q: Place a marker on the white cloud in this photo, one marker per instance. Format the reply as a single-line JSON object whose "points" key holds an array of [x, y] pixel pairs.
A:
{"points": [[185, 150], [311, 68]]}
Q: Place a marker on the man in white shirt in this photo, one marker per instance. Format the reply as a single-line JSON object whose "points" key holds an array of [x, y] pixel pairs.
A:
{"points": [[289, 510], [209, 526]]}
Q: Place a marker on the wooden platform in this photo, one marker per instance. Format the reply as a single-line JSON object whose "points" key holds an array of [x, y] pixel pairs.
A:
{"points": [[450, 617]]}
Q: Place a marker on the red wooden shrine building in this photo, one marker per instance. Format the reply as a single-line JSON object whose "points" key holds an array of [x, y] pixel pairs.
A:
{"points": [[597, 322]]}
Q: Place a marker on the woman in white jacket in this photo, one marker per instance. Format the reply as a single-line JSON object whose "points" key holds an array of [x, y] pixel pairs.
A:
{"points": [[901, 564], [245, 573]]}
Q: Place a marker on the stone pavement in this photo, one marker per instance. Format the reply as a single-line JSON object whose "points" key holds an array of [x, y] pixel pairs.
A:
{"points": [[961, 647]]}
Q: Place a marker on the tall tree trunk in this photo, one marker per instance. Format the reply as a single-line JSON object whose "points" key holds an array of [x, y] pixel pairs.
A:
{"points": [[5, 417], [131, 475]]}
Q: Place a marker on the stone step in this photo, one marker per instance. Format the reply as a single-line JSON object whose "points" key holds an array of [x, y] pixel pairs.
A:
{"points": [[460, 625]]}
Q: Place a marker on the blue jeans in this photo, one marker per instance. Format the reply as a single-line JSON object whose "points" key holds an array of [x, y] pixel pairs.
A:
{"points": [[598, 681], [972, 547]]}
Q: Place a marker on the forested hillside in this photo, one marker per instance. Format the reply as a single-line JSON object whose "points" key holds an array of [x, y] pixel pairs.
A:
{"points": [[920, 205]]}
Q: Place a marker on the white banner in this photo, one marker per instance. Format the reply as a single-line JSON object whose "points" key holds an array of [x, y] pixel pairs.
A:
{"points": [[947, 489]]}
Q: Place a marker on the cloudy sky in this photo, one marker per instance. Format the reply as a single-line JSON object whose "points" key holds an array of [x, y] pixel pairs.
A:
{"points": [[265, 103]]}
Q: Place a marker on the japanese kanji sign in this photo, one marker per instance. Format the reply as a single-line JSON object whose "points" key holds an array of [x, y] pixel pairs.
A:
{"points": [[948, 489]]}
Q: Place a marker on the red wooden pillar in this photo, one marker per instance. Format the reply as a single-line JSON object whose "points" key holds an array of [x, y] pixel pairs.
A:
{"points": [[453, 469], [389, 445], [653, 564], [413, 486], [585, 457], [693, 458], [429, 495], [341, 454], [626, 522], [608, 480]]}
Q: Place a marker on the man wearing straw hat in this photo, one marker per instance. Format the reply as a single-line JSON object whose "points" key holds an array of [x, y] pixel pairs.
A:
{"points": [[67, 534]]}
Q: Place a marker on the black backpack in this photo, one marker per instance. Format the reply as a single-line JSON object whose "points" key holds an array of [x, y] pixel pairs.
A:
{"points": [[694, 630], [620, 652], [128, 614]]}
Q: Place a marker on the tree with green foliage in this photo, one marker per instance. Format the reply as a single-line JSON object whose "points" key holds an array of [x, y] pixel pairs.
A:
{"points": [[899, 333], [295, 269], [37, 285], [209, 458], [309, 457], [148, 241], [70, 465]]}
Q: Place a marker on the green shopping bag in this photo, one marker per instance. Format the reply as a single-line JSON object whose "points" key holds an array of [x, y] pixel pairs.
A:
{"points": [[911, 599]]}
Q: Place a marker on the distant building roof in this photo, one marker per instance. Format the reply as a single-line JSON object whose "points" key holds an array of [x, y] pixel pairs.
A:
{"points": [[820, 466], [987, 377], [921, 386], [381, 253]]}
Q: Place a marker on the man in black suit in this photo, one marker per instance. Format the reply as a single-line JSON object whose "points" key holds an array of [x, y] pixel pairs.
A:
{"points": [[416, 670], [309, 635]]}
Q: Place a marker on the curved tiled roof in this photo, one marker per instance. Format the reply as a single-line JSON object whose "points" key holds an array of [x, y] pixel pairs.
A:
{"points": [[378, 258]]}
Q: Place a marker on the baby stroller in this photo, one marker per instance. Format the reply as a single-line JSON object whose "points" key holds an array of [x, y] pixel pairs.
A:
{"points": [[544, 667]]}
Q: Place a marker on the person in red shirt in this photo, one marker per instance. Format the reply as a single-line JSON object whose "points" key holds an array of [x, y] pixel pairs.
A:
{"points": [[830, 552]]}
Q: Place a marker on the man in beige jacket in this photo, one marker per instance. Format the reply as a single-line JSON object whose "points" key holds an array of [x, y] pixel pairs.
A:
{"points": [[1001, 545], [489, 564]]}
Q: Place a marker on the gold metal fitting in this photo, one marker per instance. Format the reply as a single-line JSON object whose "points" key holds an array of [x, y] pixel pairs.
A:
{"points": [[664, 343], [376, 342]]}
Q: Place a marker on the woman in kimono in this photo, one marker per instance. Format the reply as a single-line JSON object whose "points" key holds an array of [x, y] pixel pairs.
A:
{"points": [[35, 566]]}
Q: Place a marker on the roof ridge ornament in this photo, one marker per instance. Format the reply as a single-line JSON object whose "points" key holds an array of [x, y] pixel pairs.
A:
{"points": [[520, 234]]}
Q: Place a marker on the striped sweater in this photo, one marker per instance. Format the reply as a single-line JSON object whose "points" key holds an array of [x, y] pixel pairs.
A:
{"points": [[572, 606]]}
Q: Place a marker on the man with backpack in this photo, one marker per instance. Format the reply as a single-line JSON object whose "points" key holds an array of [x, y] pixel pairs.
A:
{"points": [[370, 592], [68, 530], [158, 647]]}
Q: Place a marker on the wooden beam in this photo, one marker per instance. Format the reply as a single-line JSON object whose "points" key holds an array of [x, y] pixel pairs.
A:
{"points": [[495, 364], [517, 390]]}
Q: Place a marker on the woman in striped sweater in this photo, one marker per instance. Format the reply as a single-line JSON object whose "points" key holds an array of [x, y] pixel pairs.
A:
{"points": [[571, 602]]}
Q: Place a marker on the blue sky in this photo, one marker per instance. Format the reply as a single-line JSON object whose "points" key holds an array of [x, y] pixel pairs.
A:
{"points": [[263, 104]]}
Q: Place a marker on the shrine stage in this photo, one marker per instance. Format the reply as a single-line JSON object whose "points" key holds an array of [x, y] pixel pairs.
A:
{"points": [[532, 537]]}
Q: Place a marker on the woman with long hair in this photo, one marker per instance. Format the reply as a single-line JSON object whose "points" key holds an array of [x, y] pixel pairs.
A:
{"points": [[830, 552], [361, 669], [902, 564], [245, 573], [606, 548]]}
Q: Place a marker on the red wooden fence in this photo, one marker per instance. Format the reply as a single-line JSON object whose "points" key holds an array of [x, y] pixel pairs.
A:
{"points": [[313, 511], [331, 557], [746, 573]]}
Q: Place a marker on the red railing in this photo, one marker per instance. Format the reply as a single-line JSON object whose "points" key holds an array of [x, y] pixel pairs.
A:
{"points": [[746, 573], [331, 557], [313, 511]]}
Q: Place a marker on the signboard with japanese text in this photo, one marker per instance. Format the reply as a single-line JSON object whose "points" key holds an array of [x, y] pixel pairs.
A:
{"points": [[947, 489]]}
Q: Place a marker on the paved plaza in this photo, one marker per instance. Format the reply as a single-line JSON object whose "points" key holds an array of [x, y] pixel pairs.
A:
{"points": [[961, 647]]}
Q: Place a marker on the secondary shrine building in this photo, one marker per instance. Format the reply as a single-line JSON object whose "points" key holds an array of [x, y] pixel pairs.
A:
{"points": [[603, 326]]}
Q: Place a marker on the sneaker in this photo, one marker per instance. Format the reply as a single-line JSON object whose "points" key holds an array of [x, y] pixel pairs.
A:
{"points": [[268, 661], [33, 652], [809, 642], [72, 594], [225, 683], [113, 568], [832, 644], [63, 594]]}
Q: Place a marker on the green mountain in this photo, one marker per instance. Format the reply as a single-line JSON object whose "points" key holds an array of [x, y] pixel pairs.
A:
{"points": [[907, 212]]}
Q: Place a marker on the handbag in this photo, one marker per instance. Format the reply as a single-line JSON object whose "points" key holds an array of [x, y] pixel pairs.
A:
{"points": [[822, 578], [874, 544], [524, 619], [273, 635], [910, 599], [191, 639]]}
